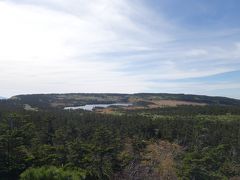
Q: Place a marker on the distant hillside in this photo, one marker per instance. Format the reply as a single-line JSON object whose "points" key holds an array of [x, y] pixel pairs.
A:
{"points": [[152, 100], [211, 100], [2, 97]]}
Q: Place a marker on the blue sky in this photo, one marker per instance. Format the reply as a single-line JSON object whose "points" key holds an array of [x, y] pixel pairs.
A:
{"points": [[127, 46], [199, 14]]}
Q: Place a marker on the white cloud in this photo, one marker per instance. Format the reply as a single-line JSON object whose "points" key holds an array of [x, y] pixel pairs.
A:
{"points": [[196, 53], [100, 46], [40, 47]]}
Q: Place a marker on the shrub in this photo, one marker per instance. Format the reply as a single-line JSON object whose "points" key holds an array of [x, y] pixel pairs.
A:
{"points": [[52, 173]]}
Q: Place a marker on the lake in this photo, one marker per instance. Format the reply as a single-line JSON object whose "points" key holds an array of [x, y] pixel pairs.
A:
{"points": [[90, 107]]}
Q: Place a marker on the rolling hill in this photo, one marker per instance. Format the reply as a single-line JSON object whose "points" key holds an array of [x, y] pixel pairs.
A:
{"points": [[151, 100]]}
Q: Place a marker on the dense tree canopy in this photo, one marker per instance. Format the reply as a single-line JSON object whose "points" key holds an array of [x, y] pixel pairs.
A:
{"points": [[56, 144]]}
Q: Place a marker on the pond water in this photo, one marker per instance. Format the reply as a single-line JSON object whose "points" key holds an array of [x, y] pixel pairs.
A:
{"points": [[90, 107]]}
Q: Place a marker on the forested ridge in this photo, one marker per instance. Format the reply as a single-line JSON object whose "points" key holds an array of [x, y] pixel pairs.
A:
{"points": [[182, 142], [46, 101]]}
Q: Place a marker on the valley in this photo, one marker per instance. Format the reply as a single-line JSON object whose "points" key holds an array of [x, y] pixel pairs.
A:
{"points": [[119, 136]]}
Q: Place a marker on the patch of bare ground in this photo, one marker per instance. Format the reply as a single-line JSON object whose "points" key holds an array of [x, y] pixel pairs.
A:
{"points": [[135, 107], [105, 110], [155, 162], [156, 103], [162, 103], [27, 107], [58, 104], [235, 178]]}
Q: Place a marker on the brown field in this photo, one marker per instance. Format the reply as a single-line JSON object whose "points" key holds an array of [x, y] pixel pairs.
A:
{"points": [[152, 104], [162, 103]]}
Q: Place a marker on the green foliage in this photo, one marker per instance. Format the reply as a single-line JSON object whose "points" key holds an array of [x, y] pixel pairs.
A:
{"points": [[73, 142], [16, 137], [98, 156], [189, 110], [138, 145], [207, 163], [52, 173]]}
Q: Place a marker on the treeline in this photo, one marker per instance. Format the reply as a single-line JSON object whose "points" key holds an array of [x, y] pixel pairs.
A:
{"points": [[190, 110], [83, 145]]}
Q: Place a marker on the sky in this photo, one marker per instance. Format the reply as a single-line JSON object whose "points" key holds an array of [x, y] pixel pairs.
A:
{"points": [[120, 46]]}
